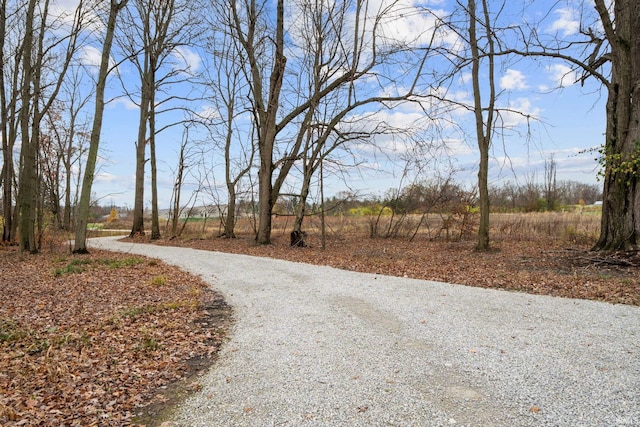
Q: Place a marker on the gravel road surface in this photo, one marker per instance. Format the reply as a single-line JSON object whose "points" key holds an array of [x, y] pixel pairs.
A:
{"points": [[317, 346]]}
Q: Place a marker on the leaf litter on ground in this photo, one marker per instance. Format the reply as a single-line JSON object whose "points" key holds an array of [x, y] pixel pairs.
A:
{"points": [[96, 339], [111, 339]]}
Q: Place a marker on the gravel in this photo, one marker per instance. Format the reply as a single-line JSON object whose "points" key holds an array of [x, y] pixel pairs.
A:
{"points": [[317, 346]]}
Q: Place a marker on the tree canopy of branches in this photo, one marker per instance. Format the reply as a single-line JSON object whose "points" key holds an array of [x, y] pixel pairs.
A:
{"points": [[293, 87]]}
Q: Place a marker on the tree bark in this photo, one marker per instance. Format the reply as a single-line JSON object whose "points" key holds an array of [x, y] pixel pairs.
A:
{"points": [[28, 176], [137, 227], [155, 220], [177, 188], [302, 205], [80, 245], [620, 227], [158, 39], [268, 133], [7, 142], [484, 126]]}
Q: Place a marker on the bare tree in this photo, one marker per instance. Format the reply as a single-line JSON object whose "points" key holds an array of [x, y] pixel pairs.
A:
{"points": [[185, 157], [80, 245], [43, 49], [607, 49], [50, 165], [620, 228], [155, 32], [484, 126], [550, 183], [360, 53], [266, 103], [227, 80], [64, 134], [10, 48]]}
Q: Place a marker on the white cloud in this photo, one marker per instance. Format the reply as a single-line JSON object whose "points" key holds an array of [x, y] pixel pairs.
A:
{"points": [[64, 12], [570, 166], [206, 113], [408, 22], [405, 22], [106, 178], [90, 56], [124, 102], [465, 78], [562, 75], [389, 123], [186, 59], [513, 80], [457, 147], [518, 112], [567, 23]]}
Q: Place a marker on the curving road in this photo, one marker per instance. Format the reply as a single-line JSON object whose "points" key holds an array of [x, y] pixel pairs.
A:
{"points": [[317, 346]]}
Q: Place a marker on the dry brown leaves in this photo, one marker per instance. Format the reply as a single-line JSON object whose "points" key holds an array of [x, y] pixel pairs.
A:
{"points": [[88, 340], [91, 344], [549, 267]]}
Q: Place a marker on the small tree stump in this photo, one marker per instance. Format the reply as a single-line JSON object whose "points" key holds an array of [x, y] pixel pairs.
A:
{"points": [[298, 239]]}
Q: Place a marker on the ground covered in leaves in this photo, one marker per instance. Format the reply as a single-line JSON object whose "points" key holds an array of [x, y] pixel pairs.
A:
{"points": [[100, 340], [112, 339], [538, 266]]}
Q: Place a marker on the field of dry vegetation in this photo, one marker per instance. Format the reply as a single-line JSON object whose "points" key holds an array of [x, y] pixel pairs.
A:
{"points": [[110, 339]]}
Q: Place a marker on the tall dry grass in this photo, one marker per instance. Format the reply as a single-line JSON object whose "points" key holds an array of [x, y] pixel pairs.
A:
{"points": [[570, 227]]}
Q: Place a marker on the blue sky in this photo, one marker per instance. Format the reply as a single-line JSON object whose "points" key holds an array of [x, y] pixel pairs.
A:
{"points": [[564, 122]]}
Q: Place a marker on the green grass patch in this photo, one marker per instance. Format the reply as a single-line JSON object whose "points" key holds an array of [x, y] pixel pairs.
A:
{"points": [[148, 344], [10, 331], [79, 265], [73, 267], [119, 263], [133, 312], [159, 281]]}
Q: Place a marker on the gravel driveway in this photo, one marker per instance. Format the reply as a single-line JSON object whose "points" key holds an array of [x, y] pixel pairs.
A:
{"points": [[317, 346]]}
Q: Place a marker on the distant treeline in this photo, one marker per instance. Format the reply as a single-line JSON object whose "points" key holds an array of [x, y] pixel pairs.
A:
{"points": [[451, 196]]}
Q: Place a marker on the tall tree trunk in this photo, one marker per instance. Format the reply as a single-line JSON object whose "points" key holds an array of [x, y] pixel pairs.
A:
{"points": [[7, 143], [28, 177], [66, 218], [620, 227], [80, 245], [483, 128], [302, 205], [265, 193], [268, 134], [155, 220], [34, 107], [177, 189], [67, 162], [230, 222], [138, 205]]}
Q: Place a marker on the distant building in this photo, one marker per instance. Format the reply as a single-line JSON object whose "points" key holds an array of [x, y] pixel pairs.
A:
{"points": [[197, 212]]}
